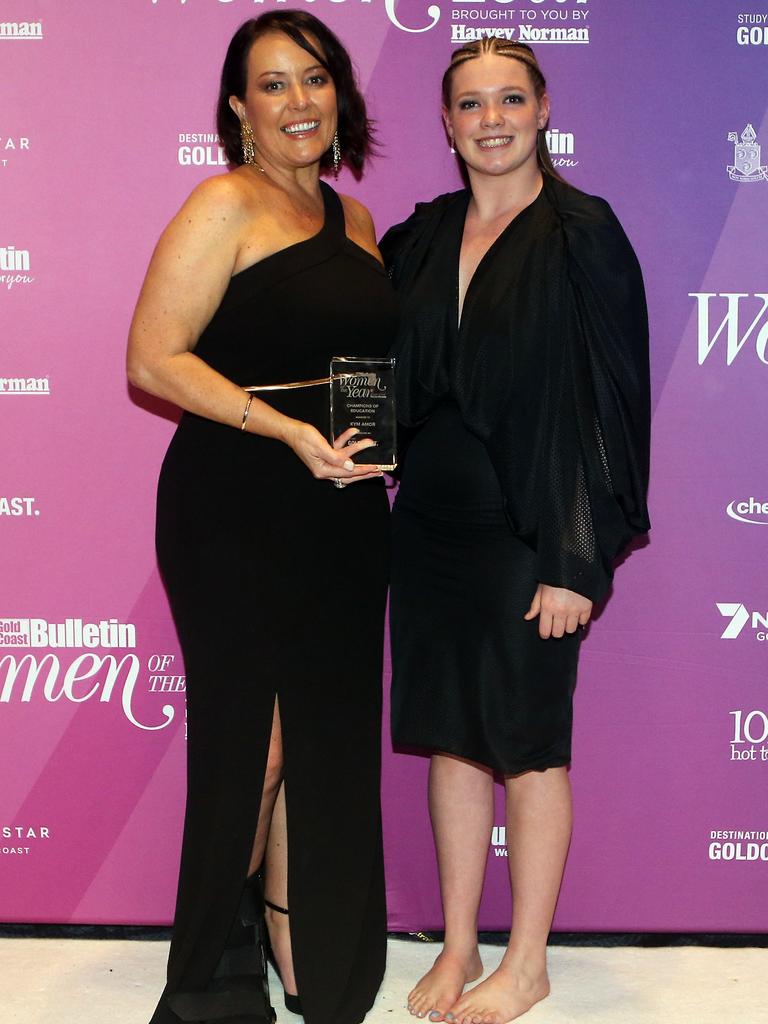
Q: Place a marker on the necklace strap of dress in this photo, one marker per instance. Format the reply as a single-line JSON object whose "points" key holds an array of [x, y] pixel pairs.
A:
{"points": [[334, 210]]}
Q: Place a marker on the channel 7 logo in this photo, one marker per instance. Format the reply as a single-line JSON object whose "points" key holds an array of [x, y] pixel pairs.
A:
{"points": [[740, 617]]}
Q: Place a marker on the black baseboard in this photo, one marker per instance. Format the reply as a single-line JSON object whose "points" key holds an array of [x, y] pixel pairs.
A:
{"points": [[646, 940], [139, 932]]}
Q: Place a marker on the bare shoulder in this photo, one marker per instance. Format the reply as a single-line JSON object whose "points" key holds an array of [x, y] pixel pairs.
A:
{"points": [[219, 217], [204, 237], [360, 226], [220, 199], [357, 215]]}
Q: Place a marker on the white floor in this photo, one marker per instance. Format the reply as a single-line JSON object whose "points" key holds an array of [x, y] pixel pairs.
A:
{"points": [[74, 981]]}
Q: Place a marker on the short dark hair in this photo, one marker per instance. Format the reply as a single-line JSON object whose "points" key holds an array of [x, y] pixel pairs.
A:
{"points": [[355, 128]]}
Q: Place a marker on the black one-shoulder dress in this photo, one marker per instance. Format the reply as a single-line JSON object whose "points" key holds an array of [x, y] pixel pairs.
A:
{"points": [[277, 584]]}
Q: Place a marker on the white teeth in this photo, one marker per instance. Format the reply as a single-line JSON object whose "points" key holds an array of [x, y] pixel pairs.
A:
{"points": [[493, 143], [303, 126]]}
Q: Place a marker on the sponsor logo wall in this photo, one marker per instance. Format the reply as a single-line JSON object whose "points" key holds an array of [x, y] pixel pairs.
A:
{"points": [[671, 739]]}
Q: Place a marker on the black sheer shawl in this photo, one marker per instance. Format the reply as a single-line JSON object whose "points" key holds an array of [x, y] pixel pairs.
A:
{"points": [[549, 368]]}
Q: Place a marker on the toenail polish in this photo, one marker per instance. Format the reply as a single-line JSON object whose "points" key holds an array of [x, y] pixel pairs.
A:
{"points": [[449, 1016], [435, 1015]]}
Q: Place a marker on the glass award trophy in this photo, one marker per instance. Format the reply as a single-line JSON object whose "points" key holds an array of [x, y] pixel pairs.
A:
{"points": [[363, 397]]}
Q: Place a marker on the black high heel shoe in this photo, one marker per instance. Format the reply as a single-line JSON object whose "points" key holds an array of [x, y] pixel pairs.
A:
{"points": [[292, 1003]]}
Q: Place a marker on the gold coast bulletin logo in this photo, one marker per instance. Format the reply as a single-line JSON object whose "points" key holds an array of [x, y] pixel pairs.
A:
{"points": [[15, 265], [44, 662]]}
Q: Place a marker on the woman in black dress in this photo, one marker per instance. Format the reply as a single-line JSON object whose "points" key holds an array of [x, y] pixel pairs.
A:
{"points": [[522, 372], [264, 275]]}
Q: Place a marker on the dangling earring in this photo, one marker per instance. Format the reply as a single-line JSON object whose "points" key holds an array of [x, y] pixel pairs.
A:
{"points": [[451, 144], [336, 153], [246, 138]]}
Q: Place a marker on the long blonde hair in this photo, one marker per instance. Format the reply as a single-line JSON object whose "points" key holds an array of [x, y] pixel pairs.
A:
{"points": [[515, 51]]}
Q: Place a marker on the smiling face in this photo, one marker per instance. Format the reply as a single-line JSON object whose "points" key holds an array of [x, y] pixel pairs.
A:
{"points": [[494, 115], [290, 102]]}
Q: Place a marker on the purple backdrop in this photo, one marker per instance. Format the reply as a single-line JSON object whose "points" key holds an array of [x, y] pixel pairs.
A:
{"points": [[106, 126]]}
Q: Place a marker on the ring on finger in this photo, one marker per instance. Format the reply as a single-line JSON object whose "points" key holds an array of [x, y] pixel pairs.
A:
{"points": [[337, 482]]}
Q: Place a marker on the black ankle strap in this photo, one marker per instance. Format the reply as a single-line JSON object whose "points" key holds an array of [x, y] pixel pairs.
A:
{"points": [[274, 906]]}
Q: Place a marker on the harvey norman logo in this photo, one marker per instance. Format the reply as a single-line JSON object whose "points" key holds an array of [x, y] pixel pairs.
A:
{"points": [[541, 21], [743, 320], [24, 386], [21, 30], [521, 33], [740, 617]]}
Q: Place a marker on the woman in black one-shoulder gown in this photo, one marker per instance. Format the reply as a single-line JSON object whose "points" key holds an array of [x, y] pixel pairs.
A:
{"points": [[277, 582]]}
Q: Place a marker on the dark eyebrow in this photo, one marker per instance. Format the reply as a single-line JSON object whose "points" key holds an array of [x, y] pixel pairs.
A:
{"points": [[313, 67]]}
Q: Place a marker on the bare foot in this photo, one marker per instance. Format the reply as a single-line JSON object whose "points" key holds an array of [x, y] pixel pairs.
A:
{"points": [[507, 994], [441, 986], [280, 940]]}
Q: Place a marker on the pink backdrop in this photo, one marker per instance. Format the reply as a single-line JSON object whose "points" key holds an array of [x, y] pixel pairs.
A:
{"points": [[106, 125]]}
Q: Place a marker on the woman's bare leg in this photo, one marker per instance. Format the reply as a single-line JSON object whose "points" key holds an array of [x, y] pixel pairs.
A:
{"points": [[273, 776], [276, 891], [539, 819], [461, 809]]}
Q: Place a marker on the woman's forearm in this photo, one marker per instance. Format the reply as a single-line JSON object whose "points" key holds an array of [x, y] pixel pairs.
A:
{"points": [[187, 381]]}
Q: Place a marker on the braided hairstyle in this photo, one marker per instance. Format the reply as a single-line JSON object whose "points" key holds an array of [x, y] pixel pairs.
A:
{"points": [[515, 51]]}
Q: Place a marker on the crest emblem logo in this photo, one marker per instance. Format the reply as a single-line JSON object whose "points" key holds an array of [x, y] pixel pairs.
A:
{"points": [[746, 157]]}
